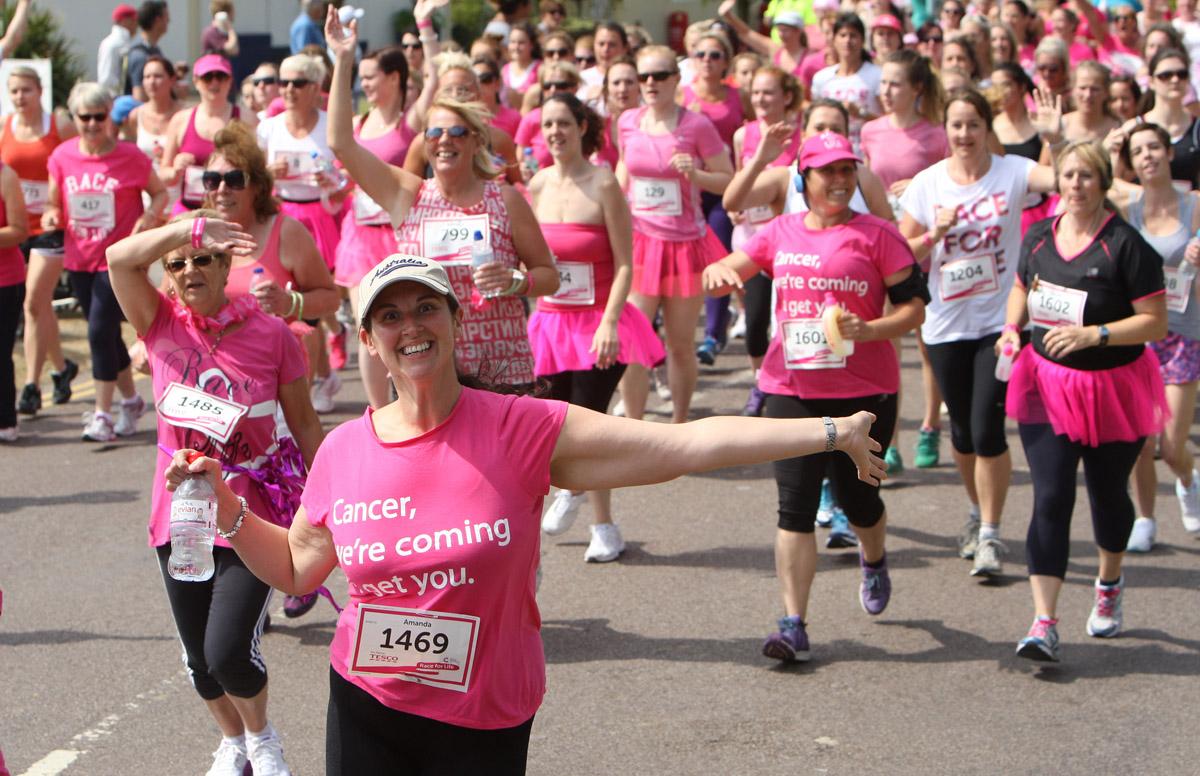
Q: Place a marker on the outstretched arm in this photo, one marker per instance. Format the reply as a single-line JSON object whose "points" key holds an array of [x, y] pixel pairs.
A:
{"points": [[430, 46], [16, 29], [596, 451]]}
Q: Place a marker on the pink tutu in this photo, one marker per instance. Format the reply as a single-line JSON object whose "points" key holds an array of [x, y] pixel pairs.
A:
{"points": [[319, 223], [669, 268], [1089, 407], [360, 249], [561, 341]]}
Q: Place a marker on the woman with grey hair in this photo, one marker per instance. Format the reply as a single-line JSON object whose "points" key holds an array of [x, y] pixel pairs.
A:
{"points": [[1052, 69], [96, 185]]}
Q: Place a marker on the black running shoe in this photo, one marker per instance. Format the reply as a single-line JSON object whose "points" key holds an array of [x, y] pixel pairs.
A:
{"points": [[62, 381], [30, 401]]}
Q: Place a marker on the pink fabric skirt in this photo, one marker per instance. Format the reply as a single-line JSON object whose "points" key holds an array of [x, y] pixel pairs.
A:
{"points": [[1178, 359], [360, 249], [667, 268], [319, 223], [1089, 407], [562, 341]]}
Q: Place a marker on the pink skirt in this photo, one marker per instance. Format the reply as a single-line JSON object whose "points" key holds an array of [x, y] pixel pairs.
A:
{"points": [[1089, 407], [562, 341], [319, 223], [667, 268], [360, 249]]}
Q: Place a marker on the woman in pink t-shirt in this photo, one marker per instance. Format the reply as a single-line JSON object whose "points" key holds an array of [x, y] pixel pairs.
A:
{"points": [[488, 72], [524, 59], [829, 257], [221, 367], [669, 155], [431, 505], [14, 226], [555, 78], [910, 136], [96, 186]]}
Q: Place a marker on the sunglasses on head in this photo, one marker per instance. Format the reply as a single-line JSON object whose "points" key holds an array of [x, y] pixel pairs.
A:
{"points": [[175, 266], [1171, 75], [559, 86], [87, 118], [588, 60], [299, 83], [215, 75], [265, 80], [234, 179], [657, 76], [485, 76], [713, 55], [456, 131], [556, 53]]}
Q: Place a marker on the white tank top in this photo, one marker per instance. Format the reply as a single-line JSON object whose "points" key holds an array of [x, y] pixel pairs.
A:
{"points": [[795, 202], [150, 143], [274, 137]]}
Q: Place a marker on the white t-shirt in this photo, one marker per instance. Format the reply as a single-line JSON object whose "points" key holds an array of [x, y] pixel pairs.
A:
{"points": [[861, 89], [972, 268], [1190, 31], [795, 202], [277, 141]]}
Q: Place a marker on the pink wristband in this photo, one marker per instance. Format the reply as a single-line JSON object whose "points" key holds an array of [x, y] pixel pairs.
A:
{"points": [[1010, 327], [529, 284], [425, 24], [929, 241], [198, 232]]}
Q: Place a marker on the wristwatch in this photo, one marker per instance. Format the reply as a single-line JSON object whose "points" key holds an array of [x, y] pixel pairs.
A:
{"points": [[830, 434], [1103, 335]]}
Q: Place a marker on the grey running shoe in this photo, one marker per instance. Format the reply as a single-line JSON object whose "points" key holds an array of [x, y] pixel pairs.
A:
{"points": [[968, 538], [987, 558]]}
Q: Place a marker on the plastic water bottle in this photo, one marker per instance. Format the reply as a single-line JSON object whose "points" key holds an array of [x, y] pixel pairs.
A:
{"points": [[1005, 362], [529, 162], [193, 527], [833, 334], [258, 277], [481, 253], [327, 176]]}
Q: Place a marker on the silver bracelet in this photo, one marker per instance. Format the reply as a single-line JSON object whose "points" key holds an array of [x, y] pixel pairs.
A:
{"points": [[830, 436], [237, 524]]}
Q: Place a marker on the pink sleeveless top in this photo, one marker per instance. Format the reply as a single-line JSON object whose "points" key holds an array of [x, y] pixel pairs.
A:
{"points": [[240, 278], [392, 146], [752, 136], [495, 343], [197, 146], [587, 247], [726, 115]]}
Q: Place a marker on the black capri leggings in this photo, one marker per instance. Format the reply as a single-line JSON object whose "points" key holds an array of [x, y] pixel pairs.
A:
{"points": [[220, 622], [94, 293], [758, 315], [966, 374], [362, 736], [591, 388], [799, 479], [1053, 461], [12, 298]]}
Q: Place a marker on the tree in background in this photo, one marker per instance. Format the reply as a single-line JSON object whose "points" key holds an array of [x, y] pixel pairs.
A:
{"points": [[45, 40]]}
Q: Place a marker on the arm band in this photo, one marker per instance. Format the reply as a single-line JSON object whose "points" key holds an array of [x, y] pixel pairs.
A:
{"points": [[912, 287]]}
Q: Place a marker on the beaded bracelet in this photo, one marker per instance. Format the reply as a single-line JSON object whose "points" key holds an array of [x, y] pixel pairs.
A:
{"points": [[237, 524], [198, 232]]}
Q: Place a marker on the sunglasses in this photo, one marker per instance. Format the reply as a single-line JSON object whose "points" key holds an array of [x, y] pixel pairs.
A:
{"points": [[87, 118], [215, 75], [486, 77], [1125, 17], [588, 60], [952, 11], [410, 46], [560, 86], [299, 83], [658, 76], [556, 12], [265, 80], [710, 55], [234, 179], [556, 53], [934, 39], [1049, 68], [457, 131], [1171, 75], [175, 266]]}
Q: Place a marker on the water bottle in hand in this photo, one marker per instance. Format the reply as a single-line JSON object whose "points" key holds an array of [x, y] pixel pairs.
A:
{"points": [[530, 163], [1005, 362], [193, 527]]}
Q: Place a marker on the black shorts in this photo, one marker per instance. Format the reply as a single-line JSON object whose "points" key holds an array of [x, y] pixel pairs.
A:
{"points": [[48, 243]]}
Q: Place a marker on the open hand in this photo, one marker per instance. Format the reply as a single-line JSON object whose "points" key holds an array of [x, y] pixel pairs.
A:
{"points": [[854, 439]]}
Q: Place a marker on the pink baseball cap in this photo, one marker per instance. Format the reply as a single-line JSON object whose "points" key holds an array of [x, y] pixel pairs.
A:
{"points": [[124, 11], [888, 21], [825, 149], [211, 63]]}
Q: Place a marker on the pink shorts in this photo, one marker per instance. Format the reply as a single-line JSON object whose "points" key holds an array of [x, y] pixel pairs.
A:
{"points": [[1178, 359]]}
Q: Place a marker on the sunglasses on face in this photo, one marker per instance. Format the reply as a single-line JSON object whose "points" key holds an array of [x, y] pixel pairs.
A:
{"points": [[586, 60], [710, 55], [1049, 68], [175, 266], [410, 46], [214, 76], [88, 118], [265, 80], [456, 131], [299, 83], [657, 76], [556, 53], [952, 11], [486, 77], [234, 179], [558, 86], [1171, 75], [1125, 17], [556, 12]]}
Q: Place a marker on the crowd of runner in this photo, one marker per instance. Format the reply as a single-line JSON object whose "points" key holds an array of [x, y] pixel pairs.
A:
{"points": [[513, 242]]}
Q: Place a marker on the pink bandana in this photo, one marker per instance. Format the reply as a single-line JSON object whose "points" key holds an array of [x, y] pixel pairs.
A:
{"points": [[233, 312]]}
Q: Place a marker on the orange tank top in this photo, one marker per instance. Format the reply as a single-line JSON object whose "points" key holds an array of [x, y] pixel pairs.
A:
{"points": [[29, 161]]}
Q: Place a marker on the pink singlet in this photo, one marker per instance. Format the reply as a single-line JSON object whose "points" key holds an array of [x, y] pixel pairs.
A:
{"points": [[726, 115], [240, 278]]}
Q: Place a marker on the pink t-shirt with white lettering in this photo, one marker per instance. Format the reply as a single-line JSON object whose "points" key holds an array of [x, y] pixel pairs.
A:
{"points": [[446, 522], [244, 371], [899, 154], [101, 199], [850, 261], [664, 203]]}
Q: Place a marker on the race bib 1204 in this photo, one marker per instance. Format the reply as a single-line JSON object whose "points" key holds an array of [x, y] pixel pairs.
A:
{"points": [[972, 276], [434, 648]]}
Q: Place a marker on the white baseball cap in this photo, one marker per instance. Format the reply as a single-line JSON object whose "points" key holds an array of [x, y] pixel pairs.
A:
{"points": [[400, 267]]}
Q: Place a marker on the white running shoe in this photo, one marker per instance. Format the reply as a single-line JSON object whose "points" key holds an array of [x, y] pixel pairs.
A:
{"points": [[1141, 538], [128, 412], [1105, 620], [562, 512], [323, 391], [659, 377], [229, 759], [606, 545], [9, 434], [98, 427], [618, 410], [265, 753], [738, 330], [1189, 503]]}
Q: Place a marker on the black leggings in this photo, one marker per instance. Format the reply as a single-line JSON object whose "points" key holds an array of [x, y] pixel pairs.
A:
{"points": [[94, 293], [591, 388], [362, 736], [1053, 461], [220, 623], [799, 479], [758, 315], [12, 298], [966, 374]]}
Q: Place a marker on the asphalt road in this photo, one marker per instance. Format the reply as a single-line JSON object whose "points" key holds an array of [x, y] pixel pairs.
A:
{"points": [[653, 662]]}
